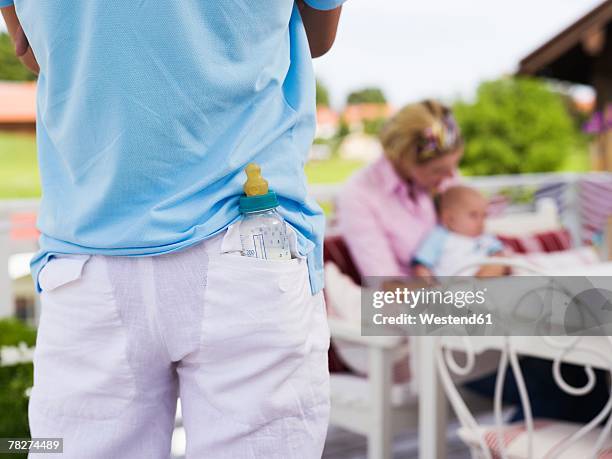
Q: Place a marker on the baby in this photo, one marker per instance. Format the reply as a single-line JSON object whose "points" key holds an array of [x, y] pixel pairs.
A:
{"points": [[459, 239]]}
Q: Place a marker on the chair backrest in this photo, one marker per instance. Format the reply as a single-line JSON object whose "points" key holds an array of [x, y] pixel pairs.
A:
{"points": [[336, 251]]}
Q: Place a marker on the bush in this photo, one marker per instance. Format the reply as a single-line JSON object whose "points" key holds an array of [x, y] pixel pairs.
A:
{"points": [[517, 125], [15, 380]]}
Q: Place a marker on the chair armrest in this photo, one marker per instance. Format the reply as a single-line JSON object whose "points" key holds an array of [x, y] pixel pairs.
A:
{"points": [[349, 332]]}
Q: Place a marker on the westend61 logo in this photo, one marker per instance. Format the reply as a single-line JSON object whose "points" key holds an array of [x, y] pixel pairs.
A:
{"points": [[515, 305], [412, 298]]}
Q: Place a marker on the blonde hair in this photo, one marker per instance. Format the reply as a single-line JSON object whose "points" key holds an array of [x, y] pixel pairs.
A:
{"points": [[405, 134]]}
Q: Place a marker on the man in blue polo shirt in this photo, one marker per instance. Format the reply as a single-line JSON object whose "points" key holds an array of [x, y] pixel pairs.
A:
{"points": [[147, 113]]}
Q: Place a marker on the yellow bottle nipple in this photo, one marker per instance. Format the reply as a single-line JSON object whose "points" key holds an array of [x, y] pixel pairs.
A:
{"points": [[255, 185]]}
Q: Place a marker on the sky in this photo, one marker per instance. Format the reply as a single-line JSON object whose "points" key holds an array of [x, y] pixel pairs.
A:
{"points": [[437, 48]]}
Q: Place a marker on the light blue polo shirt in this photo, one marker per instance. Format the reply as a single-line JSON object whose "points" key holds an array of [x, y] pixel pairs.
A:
{"points": [[148, 111]]}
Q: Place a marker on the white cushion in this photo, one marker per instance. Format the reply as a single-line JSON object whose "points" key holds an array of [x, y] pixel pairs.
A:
{"points": [[550, 262], [342, 295], [547, 434]]}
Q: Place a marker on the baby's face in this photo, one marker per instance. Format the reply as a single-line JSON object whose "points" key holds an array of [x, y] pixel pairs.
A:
{"points": [[468, 216]]}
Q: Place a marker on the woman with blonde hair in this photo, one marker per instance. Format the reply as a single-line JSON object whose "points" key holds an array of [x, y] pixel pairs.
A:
{"points": [[385, 210], [384, 213]]}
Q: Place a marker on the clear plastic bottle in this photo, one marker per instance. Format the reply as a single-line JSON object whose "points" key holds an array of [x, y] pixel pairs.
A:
{"points": [[263, 232]]}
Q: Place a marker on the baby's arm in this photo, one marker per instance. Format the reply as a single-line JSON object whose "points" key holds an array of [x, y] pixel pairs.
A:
{"points": [[428, 254], [495, 249], [493, 271], [422, 272]]}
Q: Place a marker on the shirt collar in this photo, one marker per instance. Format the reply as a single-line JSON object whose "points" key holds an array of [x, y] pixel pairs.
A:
{"points": [[391, 182]]}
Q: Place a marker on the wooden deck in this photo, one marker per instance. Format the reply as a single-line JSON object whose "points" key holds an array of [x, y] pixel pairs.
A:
{"points": [[341, 444]]}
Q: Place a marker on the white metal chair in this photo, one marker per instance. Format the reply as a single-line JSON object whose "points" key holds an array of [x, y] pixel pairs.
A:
{"points": [[533, 439]]}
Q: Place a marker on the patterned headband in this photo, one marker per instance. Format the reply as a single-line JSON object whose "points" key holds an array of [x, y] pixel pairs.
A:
{"points": [[438, 139]]}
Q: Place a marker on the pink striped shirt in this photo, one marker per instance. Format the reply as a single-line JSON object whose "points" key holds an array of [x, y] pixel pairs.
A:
{"points": [[383, 220]]}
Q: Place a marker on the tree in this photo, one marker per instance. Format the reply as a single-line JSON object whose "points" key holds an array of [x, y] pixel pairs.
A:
{"points": [[322, 95], [516, 125], [366, 96], [11, 67], [373, 126]]}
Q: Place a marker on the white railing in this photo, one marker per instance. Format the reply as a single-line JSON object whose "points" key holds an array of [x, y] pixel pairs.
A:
{"points": [[570, 214]]}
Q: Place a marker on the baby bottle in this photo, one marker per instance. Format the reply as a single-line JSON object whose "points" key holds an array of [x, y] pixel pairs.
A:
{"points": [[263, 232]]}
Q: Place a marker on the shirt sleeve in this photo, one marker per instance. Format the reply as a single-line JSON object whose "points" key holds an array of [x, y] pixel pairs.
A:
{"points": [[4, 3], [365, 238], [430, 251], [316, 4]]}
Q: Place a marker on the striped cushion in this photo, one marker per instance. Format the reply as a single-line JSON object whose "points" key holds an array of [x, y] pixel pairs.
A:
{"points": [[547, 435], [595, 206], [547, 241]]}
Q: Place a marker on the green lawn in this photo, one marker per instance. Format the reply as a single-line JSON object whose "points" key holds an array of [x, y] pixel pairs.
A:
{"points": [[19, 172], [18, 166], [332, 170]]}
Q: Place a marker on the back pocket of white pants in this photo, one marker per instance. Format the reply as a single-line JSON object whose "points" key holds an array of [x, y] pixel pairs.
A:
{"points": [[80, 363]]}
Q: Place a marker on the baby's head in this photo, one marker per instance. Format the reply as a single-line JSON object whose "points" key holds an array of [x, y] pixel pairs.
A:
{"points": [[463, 210]]}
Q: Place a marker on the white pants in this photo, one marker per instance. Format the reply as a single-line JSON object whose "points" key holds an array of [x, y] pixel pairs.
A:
{"points": [[241, 340]]}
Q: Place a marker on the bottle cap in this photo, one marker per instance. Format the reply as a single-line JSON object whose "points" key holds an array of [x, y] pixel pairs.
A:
{"points": [[258, 196], [258, 203]]}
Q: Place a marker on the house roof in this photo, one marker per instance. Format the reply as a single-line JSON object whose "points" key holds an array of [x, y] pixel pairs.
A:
{"points": [[570, 54], [18, 102], [355, 113], [326, 115]]}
